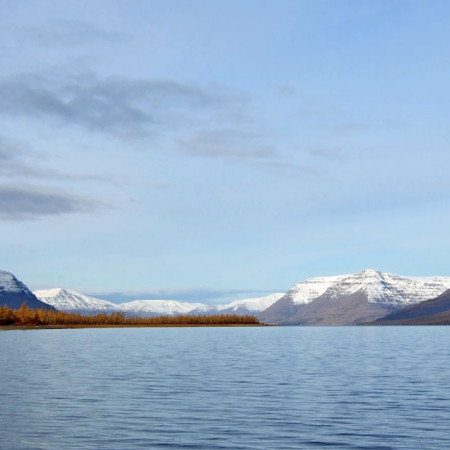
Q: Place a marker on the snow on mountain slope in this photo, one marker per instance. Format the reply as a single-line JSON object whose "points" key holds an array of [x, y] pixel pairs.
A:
{"points": [[365, 295], [158, 307], [381, 288], [252, 304], [67, 300], [388, 289], [311, 288], [351, 299], [13, 293], [245, 306], [9, 283]]}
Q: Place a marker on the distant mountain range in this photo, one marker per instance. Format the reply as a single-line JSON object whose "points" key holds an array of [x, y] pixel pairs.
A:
{"points": [[365, 296], [71, 301]]}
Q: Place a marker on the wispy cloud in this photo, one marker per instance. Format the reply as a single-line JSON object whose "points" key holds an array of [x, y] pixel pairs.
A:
{"points": [[19, 203], [288, 168], [228, 144], [70, 33], [286, 90], [119, 106], [243, 147], [329, 153], [351, 127], [11, 151], [142, 110], [13, 156], [19, 161]]}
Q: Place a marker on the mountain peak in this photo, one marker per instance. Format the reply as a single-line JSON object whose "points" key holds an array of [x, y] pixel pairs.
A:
{"points": [[13, 292], [68, 300], [56, 293], [6, 273], [8, 280], [352, 298], [370, 272], [379, 287]]}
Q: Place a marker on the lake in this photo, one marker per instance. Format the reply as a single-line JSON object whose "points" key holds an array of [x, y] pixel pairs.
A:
{"points": [[226, 388]]}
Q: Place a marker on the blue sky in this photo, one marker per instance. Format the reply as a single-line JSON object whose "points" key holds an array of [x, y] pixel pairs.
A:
{"points": [[204, 150]]}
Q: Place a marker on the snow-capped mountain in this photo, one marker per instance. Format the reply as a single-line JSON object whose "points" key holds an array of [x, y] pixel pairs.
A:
{"points": [[13, 293], [335, 300], [390, 290], [382, 288], [347, 299], [158, 307], [241, 307], [252, 305], [71, 301], [311, 288]]}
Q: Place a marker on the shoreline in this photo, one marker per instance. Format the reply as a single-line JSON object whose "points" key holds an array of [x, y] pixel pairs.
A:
{"points": [[71, 327]]}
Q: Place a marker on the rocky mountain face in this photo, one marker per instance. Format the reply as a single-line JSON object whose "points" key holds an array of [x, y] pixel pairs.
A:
{"points": [[13, 293], [350, 299], [433, 311], [345, 310]]}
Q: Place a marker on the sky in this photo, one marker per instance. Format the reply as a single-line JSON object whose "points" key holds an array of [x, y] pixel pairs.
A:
{"points": [[212, 150]]}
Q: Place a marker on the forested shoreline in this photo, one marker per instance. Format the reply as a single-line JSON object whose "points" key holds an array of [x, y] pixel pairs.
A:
{"points": [[25, 316]]}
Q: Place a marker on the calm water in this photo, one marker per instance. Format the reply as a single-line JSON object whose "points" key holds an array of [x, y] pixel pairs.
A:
{"points": [[240, 388]]}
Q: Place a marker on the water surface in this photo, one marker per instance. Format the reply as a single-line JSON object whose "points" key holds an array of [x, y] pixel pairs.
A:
{"points": [[240, 388]]}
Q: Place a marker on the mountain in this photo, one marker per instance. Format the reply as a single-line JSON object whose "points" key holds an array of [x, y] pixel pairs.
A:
{"points": [[428, 312], [337, 300], [250, 305], [148, 308], [349, 299], [71, 301], [246, 306], [13, 293]]}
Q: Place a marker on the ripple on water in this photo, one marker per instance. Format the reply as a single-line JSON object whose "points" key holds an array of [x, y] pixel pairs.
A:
{"points": [[223, 388]]}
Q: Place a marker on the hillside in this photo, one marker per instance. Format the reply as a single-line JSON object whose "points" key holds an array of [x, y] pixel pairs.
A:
{"points": [[429, 312]]}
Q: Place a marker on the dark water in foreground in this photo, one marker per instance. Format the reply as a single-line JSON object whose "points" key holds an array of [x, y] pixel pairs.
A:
{"points": [[240, 388]]}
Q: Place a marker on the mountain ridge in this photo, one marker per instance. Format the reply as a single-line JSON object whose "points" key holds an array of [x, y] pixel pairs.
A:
{"points": [[346, 299], [356, 293], [72, 301]]}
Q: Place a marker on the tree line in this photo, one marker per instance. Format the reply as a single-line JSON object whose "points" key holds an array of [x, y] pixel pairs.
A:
{"points": [[35, 317]]}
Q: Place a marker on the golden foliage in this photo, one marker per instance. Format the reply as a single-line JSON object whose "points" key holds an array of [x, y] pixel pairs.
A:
{"points": [[34, 317]]}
